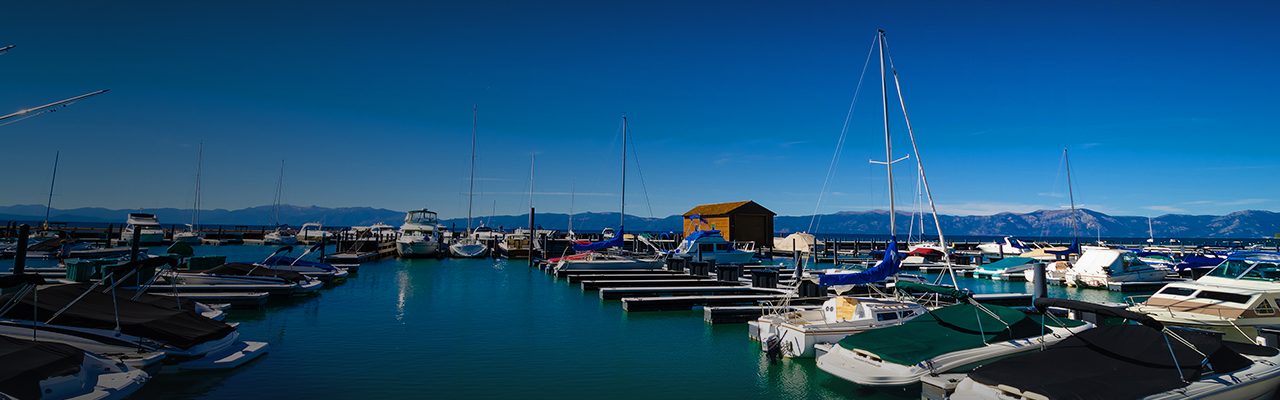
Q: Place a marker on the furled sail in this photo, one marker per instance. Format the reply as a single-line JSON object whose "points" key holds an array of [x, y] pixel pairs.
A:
{"points": [[615, 241], [883, 269]]}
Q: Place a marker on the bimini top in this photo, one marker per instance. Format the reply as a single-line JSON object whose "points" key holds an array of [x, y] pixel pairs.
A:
{"points": [[182, 329], [1117, 362], [946, 330], [1007, 262], [23, 364]]}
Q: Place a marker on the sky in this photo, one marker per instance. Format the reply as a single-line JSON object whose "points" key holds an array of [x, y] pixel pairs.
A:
{"points": [[1166, 107]]}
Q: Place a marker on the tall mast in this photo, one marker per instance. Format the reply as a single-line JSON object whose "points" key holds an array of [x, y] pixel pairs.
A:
{"points": [[49, 205], [888, 144], [195, 207], [531, 164], [1071, 194], [622, 214], [471, 191], [573, 193], [279, 193]]}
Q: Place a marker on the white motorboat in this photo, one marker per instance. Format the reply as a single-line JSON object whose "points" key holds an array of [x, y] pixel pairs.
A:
{"points": [[324, 272], [710, 245], [46, 370], [313, 232], [1136, 361], [419, 236], [1007, 245], [605, 260], [282, 236], [84, 315], [1098, 267], [793, 334], [516, 245], [242, 277], [147, 226], [1053, 272], [1235, 298], [1008, 268]]}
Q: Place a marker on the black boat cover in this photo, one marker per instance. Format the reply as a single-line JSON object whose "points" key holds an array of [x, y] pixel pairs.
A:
{"points": [[242, 269], [23, 364], [182, 329], [1111, 362], [9, 281], [1044, 303]]}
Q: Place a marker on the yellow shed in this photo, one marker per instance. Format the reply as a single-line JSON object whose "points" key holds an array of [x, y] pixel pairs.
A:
{"points": [[741, 221]]}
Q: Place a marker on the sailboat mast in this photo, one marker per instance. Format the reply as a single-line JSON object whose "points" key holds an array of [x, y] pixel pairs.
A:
{"points": [[573, 193], [279, 193], [471, 190], [888, 144], [195, 207], [622, 213], [1071, 194], [48, 206]]}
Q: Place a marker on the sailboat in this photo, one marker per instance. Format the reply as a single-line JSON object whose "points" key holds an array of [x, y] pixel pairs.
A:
{"points": [[470, 246], [1058, 260], [803, 333], [193, 234], [591, 255], [282, 235], [940, 340]]}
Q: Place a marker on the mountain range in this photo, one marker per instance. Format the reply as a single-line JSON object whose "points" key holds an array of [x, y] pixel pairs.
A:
{"points": [[1056, 223]]}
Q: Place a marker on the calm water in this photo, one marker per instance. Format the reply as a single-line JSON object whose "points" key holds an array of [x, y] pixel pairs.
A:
{"points": [[494, 329]]}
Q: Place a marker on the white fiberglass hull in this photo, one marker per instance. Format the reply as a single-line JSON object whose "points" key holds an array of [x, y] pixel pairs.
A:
{"points": [[106, 347], [626, 263], [864, 369], [97, 379], [799, 341], [224, 353], [146, 238], [1074, 278], [468, 250], [188, 238], [416, 248]]}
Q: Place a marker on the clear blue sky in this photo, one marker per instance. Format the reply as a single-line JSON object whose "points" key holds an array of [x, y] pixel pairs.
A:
{"points": [[1166, 106]]}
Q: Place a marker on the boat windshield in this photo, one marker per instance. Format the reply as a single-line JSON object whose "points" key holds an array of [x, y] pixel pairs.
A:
{"points": [[1250, 270], [421, 217]]}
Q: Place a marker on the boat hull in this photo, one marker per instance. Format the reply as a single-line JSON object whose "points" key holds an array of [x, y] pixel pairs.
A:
{"points": [[417, 248]]}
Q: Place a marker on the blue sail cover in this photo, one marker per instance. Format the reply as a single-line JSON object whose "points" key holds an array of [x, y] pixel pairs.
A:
{"points": [[883, 269], [1074, 248], [615, 241]]}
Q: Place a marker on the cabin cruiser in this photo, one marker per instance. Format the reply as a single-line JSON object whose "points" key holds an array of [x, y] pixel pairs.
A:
{"points": [[1234, 298], [1006, 269], [795, 333], [1099, 267], [313, 232], [418, 235], [1007, 245], [147, 226], [282, 236], [47, 370], [83, 314], [703, 245], [950, 338], [1146, 360], [516, 245]]}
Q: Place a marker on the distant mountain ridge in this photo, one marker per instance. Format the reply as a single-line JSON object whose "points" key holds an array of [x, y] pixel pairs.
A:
{"points": [[1055, 223]]}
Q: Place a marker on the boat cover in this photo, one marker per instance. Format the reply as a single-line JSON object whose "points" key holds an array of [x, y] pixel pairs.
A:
{"points": [[23, 364], [1006, 263], [286, 260], [924, 287], [1042, 304], [181, 329], [242, 269], [945, 330], [1074, 248], [615, 241], [887, 266], [9, 281], [925, 252], [1112, 362]]}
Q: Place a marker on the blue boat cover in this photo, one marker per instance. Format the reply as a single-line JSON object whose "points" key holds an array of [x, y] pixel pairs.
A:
{"points": [[1007, 262], [887, 266], [615, 241], [1074, 248], [701, 234]]}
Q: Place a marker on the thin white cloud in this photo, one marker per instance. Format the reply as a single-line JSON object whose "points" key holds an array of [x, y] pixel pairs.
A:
{"points": [[987, 208], [1167, 209], [590, 194]]}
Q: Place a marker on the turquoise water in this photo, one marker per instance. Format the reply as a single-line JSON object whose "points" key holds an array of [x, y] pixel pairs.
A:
{"points": [[493, 329]]}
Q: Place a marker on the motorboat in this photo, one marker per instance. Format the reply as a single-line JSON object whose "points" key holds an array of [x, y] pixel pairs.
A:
{"points": [[793, 334], [241, 277], [950, 338], [925, 256], [1099, 267], [1146, 360], [47, 370], [710, 244], [147, 227], [1234, 298], [516, 245], [324, 272], [1007, 245], [1006, 269], [1197, 263], [313, 232], [419, 236], [189, 236], [281, 236], [605, 260], [83, 310], [1055, 271]]}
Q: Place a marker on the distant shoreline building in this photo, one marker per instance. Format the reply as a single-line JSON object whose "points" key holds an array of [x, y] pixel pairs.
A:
{"points": [[738, 221]]}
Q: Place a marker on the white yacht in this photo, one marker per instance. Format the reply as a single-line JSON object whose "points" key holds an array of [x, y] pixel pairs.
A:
{"points": [[1234, 298], [703, 245], [1098, 267], [147, 225], [418, 235], [313, 232], [282, 236], [1005, 246]]}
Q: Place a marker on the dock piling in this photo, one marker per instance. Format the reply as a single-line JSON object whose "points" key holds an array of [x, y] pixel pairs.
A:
{"points": [[20, 256]]}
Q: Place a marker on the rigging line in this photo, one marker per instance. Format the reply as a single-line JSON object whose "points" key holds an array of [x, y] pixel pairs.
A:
{"points": [[942, 242], [844, 131], [636, 157]]}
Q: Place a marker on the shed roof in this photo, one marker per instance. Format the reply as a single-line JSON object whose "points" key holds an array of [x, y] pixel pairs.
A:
{"points": [[726, 208]]}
